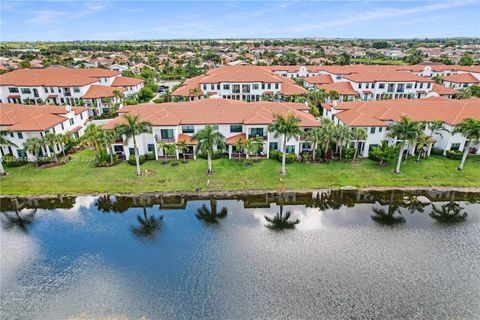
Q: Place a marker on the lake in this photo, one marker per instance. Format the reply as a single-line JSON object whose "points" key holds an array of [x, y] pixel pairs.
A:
{"points": [[352, 255]]}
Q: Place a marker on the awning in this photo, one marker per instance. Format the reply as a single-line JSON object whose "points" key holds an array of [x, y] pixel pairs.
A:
{"points": [[182, 137], [421, 91], [234, 139], [268, 92], [74, 130], [52, 96], [367, 92], [13, 97]]}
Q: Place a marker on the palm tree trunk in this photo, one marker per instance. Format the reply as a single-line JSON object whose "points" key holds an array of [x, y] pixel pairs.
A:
{"points": [[111, 156], [464, 157], [356, 150], [314, 150], [2, 171], [137, 157], [284, 154], [209, 161], [399, 161], [340, 153], [63, 150], [419, 155]]}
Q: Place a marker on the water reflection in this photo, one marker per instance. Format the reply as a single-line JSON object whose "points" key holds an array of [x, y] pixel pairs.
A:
{"points": [[58, 268], [211, 215]]}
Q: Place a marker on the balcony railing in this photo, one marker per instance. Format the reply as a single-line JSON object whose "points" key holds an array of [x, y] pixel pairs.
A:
{"points": [[165, 139], [252, 136]]}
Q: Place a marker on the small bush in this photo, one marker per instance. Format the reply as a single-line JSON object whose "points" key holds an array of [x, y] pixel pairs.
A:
{"points": [[149, 156], [131, 160], [44, 161], [11, 162], [455, 155], [275, 155], [174, 164], [348, 153], [290, 158], [306, 157], [216, 155], [436, 151]]}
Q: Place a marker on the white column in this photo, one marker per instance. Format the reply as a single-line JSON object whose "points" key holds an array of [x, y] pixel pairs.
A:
{"points": [[230, 151], [155, 145]]}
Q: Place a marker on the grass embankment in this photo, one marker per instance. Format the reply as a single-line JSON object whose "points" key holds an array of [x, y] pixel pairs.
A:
{"points": [[80, 176]]}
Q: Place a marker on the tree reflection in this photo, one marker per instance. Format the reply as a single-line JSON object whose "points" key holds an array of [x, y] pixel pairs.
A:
{"points": [[448, 213], [16, 219], [211, 215], [389, 216], [108, 204], [281, 221], [148, 226], [413, 204]]}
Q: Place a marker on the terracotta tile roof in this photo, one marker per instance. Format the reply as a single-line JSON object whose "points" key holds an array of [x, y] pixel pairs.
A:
{"points": [[234, 139], [213, 111], [54, 77], [97, 91], [185, 137], [343, 88], [319, 79], [442, 90], [461, 78], [239, 74], [18, 117], [372, 113], [74, 130], [126, 82]]}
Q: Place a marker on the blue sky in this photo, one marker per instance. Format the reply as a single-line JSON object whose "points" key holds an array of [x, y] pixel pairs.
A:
{"points": [[105, 20]]}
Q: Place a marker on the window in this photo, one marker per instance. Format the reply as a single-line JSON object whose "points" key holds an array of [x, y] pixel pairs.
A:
{"points": [[455, 146], [76, 89], [290, 149], [20, 135], [204, 87], [236, 88], [26, 90], [276, 86], [245, 88], [409, 85], [269, 86], [226, 87], [380, 129], [166, 134], [51, 89], [263, 86], [236, 128], [212, 86], [131, 151], [13, 90], [218, 86], [61, 125], [215, 126], [372, 130], [81, 116], [255, 86], [21, 153], [45, 89], [117, 148], [151, 147], [381, 86], [72, 122], [256, 132], [188, 129], [273, 146]]}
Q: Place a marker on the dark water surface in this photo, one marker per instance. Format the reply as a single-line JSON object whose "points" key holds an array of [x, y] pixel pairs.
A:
{"points": [[353, 255]]}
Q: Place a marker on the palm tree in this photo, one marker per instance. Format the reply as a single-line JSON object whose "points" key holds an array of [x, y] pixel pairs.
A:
{"points": [[90, 139], [388, 217], [252, 145], [50, 140], [107, 138], [211, 215], [315, 99], [314, 136], [182, 147], [328, 128], [406, 130], [424, 141], [342, 134], [280, 221], [450, 212], [33, 145], [470, 129], [358, 134], [131, 128], [208, 138], [148, 226], [63, 139], [166, 148], [4, 142], [239, 147], [288, 128], [413, 204], [18, 220]]}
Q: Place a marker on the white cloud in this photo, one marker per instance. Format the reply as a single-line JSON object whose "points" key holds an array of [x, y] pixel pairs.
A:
{"points": [[49, 16], [45, 16]]}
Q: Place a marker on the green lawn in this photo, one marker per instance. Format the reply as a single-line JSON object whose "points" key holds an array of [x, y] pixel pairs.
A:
{"points": [[378, 61], [79, 176]]}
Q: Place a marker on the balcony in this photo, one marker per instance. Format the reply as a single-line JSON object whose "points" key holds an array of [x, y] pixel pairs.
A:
{"points": [[169, 140], [253, 136]]}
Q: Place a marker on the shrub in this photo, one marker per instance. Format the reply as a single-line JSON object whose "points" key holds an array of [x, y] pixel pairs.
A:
{"points": [[306, 157], [131, 160], [174, 164], [248, 163], [216, 155], [275, 155], [290, 158], [44, 160], [454, 154], [436, 151], [348, 153], [11, 162], [149, 156]]}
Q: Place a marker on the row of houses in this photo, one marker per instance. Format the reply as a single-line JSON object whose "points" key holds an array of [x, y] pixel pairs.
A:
{"points": [[352, 82], [67, 86], [178, 122]]}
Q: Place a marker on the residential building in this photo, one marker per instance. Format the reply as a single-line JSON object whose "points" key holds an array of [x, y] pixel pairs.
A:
{"points": [[460, 80], [60, 86], [376, 116], [238, 82], [26, 121], [177, 122]]}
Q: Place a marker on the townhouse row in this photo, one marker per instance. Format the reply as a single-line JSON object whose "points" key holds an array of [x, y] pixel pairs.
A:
{"points": [[95, 87]]}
